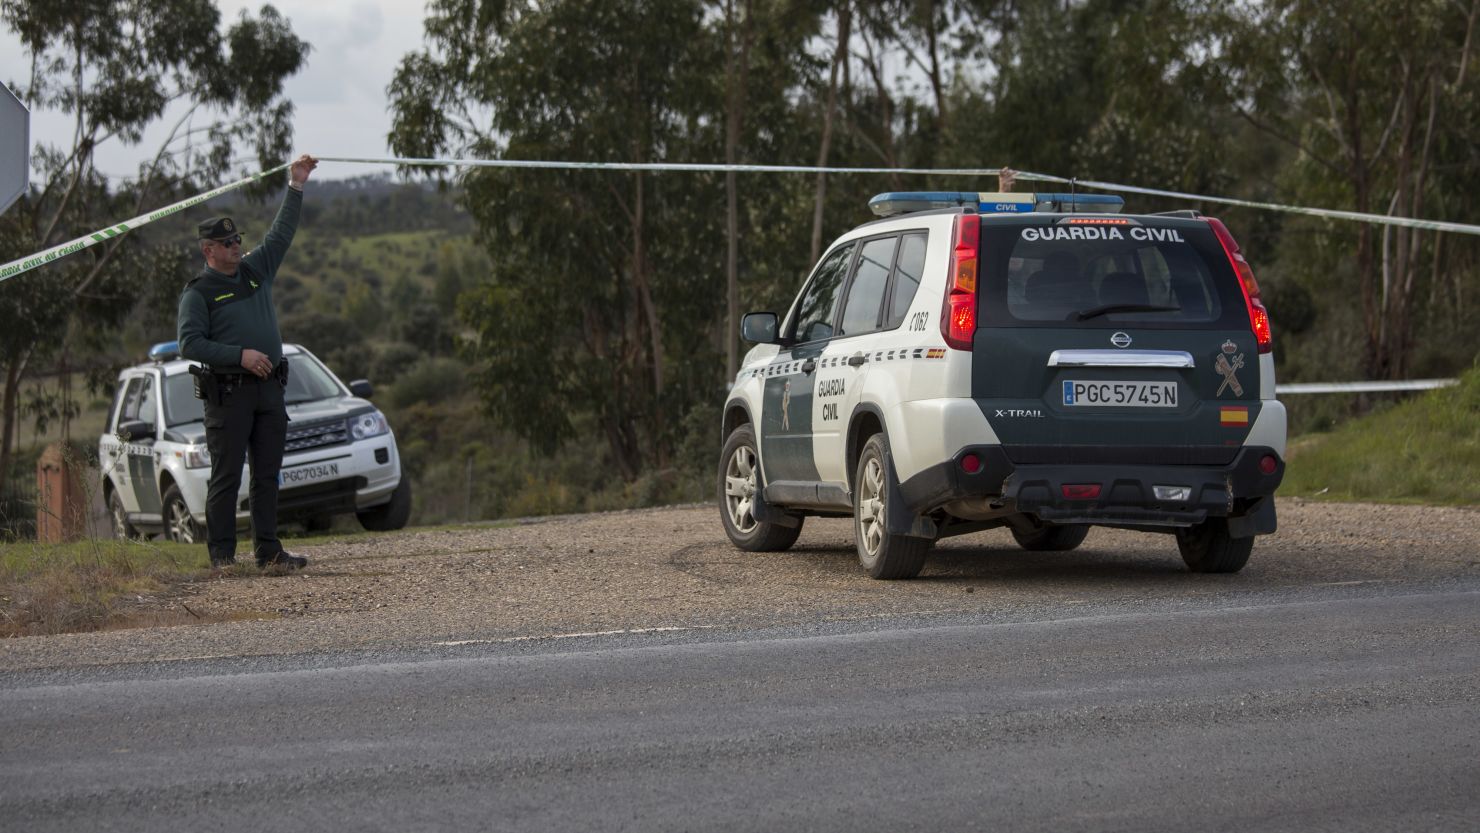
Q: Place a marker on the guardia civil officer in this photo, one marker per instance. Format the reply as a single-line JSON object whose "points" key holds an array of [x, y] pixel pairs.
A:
{"points": [[227, 322]]}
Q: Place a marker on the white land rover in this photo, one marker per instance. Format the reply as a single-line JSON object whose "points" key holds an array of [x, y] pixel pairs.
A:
{"points": [[1034, 361], [340, 455]]}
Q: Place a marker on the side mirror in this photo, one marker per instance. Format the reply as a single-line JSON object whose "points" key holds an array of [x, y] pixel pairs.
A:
{"points": [[361, 388], [759, 327], [136, 431]]}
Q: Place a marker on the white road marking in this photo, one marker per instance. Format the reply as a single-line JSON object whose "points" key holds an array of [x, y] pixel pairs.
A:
{"points": [[573, 635]]}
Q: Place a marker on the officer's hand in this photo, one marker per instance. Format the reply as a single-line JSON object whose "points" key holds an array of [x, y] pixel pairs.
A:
{"points": [[302, 167], [256, 363]]}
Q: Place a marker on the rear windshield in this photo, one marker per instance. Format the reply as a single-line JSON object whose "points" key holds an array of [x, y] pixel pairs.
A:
{"points": [[1094, 276]]}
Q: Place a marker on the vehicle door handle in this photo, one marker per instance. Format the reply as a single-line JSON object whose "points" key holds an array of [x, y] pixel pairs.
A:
{"points": [[857, 360], [809, 365]]}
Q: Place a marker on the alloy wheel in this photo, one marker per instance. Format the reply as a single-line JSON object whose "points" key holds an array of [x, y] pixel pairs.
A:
{"points": [[871, 507], [740, 486]]}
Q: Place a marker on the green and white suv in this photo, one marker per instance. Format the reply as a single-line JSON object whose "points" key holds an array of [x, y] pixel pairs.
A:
{"points": [[340, 455], [1034, 361]]}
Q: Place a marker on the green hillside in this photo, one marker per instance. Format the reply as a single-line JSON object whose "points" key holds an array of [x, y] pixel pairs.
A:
{"points": [[1424, 450]]}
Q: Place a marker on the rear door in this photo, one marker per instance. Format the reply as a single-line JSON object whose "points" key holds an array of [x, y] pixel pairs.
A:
{"points": [[115, 457], [143, 457], [845, 362], [1113, 340]]}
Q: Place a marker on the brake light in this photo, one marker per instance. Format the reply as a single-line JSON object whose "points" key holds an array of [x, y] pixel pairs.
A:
{"points": [[1258, 315], [958, 312]]}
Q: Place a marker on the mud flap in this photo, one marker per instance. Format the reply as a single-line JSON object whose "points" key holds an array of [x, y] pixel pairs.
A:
{"points": [[898, 520], [768, 514], [1259, 520]]}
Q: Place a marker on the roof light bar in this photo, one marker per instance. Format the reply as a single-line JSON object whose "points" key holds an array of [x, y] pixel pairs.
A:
{"points": [[164, 351], [985, 202]]}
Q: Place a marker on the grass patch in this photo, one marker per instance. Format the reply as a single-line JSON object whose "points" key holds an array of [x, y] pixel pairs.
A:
{"points": [[87, 585], [1423, 450]]}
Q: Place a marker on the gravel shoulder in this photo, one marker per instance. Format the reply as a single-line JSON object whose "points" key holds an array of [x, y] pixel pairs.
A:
{"points": [[672, 568]]}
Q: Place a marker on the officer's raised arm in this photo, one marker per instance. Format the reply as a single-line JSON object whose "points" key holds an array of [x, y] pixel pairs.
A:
{"points": [[266, 258]]}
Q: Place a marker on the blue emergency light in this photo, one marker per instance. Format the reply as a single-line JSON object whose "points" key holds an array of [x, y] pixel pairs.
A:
{"points": [[164, 351], [904, 202]]}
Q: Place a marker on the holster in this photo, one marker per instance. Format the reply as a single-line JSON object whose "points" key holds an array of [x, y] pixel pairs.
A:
{"points": [[281, 372], [204, 383]]}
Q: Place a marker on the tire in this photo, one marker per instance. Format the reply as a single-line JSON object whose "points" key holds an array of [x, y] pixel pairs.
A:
{"points": [[178, 525], [885, 556], [1052, 538], [739, 482], [391, 516], [1208, 548], [118, 519]]}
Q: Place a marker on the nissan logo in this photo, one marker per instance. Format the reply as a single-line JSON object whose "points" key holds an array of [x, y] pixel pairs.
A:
{"points": [[1120, 340]]}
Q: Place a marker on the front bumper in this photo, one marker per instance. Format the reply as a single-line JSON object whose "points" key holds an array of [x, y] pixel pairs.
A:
{"points": [[369, 471], [1127, 494]]}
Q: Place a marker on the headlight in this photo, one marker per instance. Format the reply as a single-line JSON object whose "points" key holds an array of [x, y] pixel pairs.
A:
{"points": [[197, 457], [368, 425]]}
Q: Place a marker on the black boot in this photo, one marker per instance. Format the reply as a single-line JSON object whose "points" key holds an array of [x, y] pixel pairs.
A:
{"points": [[282, 559], [221, 562]]}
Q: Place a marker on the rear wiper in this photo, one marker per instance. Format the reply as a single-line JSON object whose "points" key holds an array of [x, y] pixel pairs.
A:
{"points": [[1095, 312]]}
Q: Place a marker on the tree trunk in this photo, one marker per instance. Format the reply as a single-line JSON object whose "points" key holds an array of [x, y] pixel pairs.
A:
{"points": [[737, 68], [840, 56], [942, 118], [14, 370]]}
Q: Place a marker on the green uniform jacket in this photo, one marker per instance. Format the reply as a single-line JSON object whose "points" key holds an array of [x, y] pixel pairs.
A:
{"points": [[221, 315]]}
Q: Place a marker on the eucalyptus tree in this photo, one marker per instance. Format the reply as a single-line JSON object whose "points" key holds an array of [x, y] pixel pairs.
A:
{"points": [[606, 288], [1378, 103], [118, 69], [569, 330]]}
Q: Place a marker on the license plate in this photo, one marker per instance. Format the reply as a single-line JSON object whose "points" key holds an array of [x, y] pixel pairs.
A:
{"points": [[1121, 394], [308, 474]]}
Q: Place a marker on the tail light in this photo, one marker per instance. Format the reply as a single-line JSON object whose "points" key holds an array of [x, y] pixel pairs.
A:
{"points": [[958, 312], [1258, 315]]}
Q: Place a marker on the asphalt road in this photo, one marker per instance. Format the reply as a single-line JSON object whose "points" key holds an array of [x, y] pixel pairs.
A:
{"points": [[1339, 707]]}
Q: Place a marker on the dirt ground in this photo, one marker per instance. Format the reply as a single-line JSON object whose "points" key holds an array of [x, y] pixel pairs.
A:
{"points": [[673, 568]]}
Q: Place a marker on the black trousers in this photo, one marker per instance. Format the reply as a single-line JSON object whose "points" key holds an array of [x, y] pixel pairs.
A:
{"points": [[251, 419]]}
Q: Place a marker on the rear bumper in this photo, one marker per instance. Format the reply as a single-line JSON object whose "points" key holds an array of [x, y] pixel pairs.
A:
{"points": [[1127, 495]]}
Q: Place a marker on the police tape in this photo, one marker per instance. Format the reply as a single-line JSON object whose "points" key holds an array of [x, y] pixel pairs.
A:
{"points": [[1023, 175], [1363, 387], [26, 264], [42, 258]]}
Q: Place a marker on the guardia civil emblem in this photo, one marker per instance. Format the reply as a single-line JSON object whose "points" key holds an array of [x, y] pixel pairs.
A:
{"points": [[1228, 369], [786, 406]]}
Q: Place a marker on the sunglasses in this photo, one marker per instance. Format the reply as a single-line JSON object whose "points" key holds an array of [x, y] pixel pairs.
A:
{"points": [[233, 240]]}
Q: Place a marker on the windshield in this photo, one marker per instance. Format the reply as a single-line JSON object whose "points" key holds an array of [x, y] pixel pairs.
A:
{"points": [[1097, 275], [308, 381], [180, 404]]}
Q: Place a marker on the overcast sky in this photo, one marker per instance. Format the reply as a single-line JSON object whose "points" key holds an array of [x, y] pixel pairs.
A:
{"points": [[339, 97]]}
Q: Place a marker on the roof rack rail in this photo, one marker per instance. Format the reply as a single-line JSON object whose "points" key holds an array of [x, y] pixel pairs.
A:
{"points": [[1189, 213]]}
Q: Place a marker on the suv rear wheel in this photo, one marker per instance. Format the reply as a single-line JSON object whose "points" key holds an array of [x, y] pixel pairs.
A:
{"points": [[1208, 548], [885, 556], [739, 482], [1051, 538]]}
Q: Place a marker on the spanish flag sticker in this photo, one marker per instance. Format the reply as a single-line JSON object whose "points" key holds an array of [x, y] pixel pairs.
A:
{"points": [[1233, 416]]}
